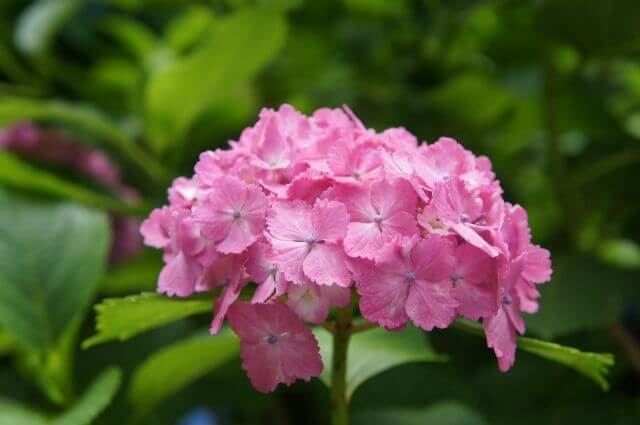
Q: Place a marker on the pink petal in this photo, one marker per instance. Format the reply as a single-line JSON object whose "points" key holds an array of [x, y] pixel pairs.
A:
{"points": [[431, 305], [326, 265], [330, 220], [178, 277], [229, 295], [382, 296], [290, 256], [290, 221], [363, 240], [275, 345], [433, 259], [473, 264], [476, 300], [390, 197], [537, 265], [471, 236], [241, 235], [501, 337]]}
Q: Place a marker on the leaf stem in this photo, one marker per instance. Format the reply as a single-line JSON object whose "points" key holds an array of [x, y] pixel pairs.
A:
{"points": [[341, 335]]}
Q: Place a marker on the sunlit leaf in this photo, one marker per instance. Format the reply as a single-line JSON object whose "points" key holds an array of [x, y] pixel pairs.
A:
{"points": [[623, 253], [441, 413], [17, 174], [123, 318], [374, 351], [232, 53], [51, 262], [174, 367], [13, 413], [39, 22]]}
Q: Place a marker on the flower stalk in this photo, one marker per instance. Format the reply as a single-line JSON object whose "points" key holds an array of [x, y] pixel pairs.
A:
{"points": [[341, 335]]}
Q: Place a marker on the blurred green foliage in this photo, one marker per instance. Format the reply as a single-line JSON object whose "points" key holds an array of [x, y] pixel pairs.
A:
{"points": [[549, 90]]}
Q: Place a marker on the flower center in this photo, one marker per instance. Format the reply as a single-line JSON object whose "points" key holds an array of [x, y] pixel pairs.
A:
{"points": [[506, 299], [236, 215], [377, 218], [410, 277], [455, 279], [272, 339], [464, 218], [311, 240]]}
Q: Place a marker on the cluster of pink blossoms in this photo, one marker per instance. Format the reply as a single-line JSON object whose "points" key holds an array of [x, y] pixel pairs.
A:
{"points": [[307, 208]]}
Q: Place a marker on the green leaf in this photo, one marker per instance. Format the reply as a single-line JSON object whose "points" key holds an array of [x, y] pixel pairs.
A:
{"points": [[51, 262], [123, 318], [623, 253], [592, 365], [584, 294], [171, 369], [38, 24], [136, 275], [374, 351], [93, 401], [233, 52], [441, 413], [185, 30], [83, 118], [17, 174], [13, 413], [134, 36], [7, 343]]}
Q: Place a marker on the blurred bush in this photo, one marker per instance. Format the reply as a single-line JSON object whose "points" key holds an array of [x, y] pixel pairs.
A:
{"points": [[550, 90]]}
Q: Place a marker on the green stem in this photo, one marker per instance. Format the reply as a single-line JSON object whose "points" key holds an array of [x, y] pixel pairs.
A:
{"points": [[341, 334]]}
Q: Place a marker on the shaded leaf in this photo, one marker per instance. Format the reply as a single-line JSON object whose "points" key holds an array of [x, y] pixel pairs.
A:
{"points": [[584, 294], [374, 351], [441, 413], [122, 318], [51, 261], [93, 401], [174, 367], [136, 275], [17, 174], [234, 51], [592, 365], [39, 22]]}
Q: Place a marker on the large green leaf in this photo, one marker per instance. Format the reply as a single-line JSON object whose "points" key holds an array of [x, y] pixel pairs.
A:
{"points": [[83, 118], [93, 401], [374, 351], [176, 366], [122, 318], [51, 262], [592, 365], [38, 24], [13, 413], [19, 175], [442, 413], [231, 54]]}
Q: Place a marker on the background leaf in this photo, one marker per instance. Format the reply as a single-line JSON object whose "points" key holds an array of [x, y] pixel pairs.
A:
{"points": [[136, 275], [442, 413], [374, 351], [40, 21], [122, 318], [51, 261], [171, 369], [93, 401], [234, 51]]}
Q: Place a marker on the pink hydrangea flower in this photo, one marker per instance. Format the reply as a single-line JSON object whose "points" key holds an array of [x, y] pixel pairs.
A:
{"points": [[233, 215], [409, 280], [275, 345], [307, 242], [303, 209]]}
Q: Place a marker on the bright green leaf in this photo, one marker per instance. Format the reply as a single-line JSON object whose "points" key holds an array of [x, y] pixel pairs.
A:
{"points": [[13, 413], [592, 365], [171, 369], [232, 53], [623, 253], [7, 343], [17, 174], [374, 351], [185, 30], [38, 24], [122, 318], [83, 118], [93, 401], [51, 262], [441, 413]]}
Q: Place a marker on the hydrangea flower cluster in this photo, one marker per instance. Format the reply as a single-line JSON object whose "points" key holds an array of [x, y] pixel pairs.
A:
{"points": [[304, 208]]}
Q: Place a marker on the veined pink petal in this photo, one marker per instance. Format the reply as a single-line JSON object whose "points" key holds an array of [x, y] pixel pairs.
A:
{"points": [[537, 264], [290, 221], [326, 265], [431, 305], [179, 276], [363, 240], [501, 337], [330, 220]]}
